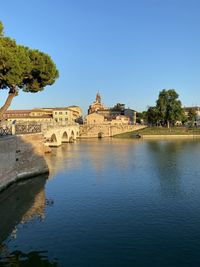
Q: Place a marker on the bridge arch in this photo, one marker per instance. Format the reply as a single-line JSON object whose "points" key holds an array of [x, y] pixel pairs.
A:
{"points": [[53, 138], [65, 137], [100, 135]]}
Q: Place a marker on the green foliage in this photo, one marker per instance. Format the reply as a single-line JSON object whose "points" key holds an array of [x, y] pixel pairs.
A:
{"points": [[141, 117], [152, 116], [24, 68], [1, 29], [157, 130], [169, 107], [192, 115], [167, 111], [118, 107]]}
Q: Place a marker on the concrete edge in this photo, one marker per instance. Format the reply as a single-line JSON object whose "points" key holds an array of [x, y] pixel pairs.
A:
{"points": [[24, 176]]}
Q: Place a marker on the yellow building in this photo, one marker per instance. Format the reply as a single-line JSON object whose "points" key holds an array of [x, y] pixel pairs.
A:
{"points": [[63, 115], [21, 116], [119, 120], [94, 118], [111, 114]]}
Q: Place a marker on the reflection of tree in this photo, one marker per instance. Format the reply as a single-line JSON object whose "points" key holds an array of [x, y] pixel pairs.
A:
{"points": [[165, 156], [31, 259], [20, 203]]}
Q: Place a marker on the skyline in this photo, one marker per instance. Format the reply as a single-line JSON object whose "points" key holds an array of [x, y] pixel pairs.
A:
{"points": [[127, 50]]}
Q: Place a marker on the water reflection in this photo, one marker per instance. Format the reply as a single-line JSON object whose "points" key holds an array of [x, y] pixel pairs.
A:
{"points": [[167, 158], [63, 157], [117, 203], [31, 259], [96, 153], [21, 203]]}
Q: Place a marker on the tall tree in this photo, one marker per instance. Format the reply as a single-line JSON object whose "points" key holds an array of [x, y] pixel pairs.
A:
{"points": [[192, 115], [152, 116], [23, 68], [169, 107], [1, 28]]}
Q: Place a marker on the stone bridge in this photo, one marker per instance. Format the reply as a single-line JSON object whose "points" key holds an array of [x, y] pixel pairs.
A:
{"points": [[106, 130], [56, 134]]}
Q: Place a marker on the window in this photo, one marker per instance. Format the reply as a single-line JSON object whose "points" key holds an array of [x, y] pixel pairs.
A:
{"points": [[60, 113]]}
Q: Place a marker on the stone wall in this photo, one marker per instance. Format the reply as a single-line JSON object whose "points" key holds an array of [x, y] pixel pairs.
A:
{"points": [[105, 130], [21, 157]]}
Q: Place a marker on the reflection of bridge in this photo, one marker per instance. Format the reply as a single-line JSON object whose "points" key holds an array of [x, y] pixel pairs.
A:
{"points": [[57, 134], [106, 130]]}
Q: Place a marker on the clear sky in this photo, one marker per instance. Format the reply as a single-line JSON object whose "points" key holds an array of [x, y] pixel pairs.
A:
{"points": [[129, 50]]}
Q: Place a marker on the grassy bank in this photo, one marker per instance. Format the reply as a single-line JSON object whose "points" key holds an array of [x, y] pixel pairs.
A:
{"points": [[161, 131]]}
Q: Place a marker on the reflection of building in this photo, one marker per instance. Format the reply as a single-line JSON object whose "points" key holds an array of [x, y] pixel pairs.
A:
{"points": [[37, 210], [64, 115], [98, 113]]}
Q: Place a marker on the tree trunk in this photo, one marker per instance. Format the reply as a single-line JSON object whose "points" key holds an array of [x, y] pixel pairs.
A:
{"points": [[168, 124], [3, 109]]}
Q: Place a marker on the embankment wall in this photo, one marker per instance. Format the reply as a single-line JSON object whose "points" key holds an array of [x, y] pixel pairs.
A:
{"points": [[21, 157], [106, 130]]}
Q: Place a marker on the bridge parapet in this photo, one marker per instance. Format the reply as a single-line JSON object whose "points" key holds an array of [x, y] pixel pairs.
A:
{"points": [[55, 125]]}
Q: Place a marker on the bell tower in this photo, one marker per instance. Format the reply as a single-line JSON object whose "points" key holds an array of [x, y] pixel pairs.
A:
{"points": [[98, 98]]}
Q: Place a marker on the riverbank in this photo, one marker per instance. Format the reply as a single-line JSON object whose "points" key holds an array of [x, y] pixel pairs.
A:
{"points": [[21, 157], [161, 132]]}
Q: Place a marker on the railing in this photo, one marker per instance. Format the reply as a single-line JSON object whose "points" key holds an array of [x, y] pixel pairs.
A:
{"points": [[17, 129], [5, 130], [27, 128]]}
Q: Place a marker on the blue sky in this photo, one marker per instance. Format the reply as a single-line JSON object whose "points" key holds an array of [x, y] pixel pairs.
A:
{"points": [[129, 50]]}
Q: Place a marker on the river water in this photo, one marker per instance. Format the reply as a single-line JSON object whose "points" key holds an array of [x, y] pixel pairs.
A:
{"points": [[107, 202]]}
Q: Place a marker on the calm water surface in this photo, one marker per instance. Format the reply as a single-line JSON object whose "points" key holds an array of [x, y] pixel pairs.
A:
{"points": [[107, 203]]}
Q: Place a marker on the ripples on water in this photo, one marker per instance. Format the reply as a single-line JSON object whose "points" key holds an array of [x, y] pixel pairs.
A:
{"points": [[107, 203]]}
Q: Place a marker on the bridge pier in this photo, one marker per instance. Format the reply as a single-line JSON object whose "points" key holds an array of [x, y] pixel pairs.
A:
{"points": [[52, 144]]}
